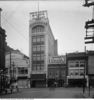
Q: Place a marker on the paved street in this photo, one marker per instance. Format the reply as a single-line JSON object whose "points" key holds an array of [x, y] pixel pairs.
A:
{"points": [[46, 93]]}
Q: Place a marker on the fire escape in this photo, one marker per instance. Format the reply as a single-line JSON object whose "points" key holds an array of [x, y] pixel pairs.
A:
{"points": [[89, 25]]}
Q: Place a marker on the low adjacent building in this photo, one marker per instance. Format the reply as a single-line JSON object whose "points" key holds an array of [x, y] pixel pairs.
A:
{"points": [[57, 71], [17, 65], [77, 69]]}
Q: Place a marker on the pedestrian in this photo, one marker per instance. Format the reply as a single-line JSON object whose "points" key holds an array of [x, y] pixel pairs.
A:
{"points": [[55, 83], [16, 85]]}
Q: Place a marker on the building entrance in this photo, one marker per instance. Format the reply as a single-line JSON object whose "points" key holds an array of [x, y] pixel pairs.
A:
{"points": [[76, 82]]}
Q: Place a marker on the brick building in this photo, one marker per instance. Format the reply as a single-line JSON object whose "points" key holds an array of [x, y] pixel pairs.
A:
{"points": [[57, 71], [77, 69]]}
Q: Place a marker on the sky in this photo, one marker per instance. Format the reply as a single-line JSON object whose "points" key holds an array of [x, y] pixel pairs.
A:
{"points": [[67, 20]]}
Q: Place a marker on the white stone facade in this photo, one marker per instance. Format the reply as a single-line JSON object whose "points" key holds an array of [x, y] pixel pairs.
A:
{"points": [[42, 43]]}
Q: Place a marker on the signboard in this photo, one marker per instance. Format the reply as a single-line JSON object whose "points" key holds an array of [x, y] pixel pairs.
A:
{"points": [[76, 77], [38, 76], [57, 60], [91, 65]]}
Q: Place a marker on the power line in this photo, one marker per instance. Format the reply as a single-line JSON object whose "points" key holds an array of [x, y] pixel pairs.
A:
{"points": [[15, 29], [11, 14]]}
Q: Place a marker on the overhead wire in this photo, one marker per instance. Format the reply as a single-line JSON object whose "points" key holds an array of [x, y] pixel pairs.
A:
{"points": [[15, 29], [11, 14], [16, 32]]}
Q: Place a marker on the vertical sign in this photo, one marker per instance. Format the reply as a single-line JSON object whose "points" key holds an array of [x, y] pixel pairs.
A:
{"points": [[91, 65]]}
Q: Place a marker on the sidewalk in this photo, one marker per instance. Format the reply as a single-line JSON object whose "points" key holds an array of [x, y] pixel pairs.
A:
{"points": [[86, 94], [50, 93]]}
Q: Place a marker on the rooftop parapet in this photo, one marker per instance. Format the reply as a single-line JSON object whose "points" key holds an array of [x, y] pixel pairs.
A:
{"points": [[38, 15], [89, 3]]}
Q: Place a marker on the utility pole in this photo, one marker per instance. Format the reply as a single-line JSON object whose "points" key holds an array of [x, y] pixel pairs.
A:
{"points": [[84, 79], [13, 70], [0, 16], [10, 66]]}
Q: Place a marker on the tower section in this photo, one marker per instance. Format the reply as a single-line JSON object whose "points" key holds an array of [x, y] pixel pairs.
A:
{"points": [[41, 47]]}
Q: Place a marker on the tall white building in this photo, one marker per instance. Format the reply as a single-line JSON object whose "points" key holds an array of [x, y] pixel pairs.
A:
{"points": [[42, 45]]}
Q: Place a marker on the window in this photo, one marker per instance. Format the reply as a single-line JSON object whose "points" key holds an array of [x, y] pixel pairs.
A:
{"points": [[33, 66], [82, 65], [6, 70], [63, 73], [37, 67], [38, 28], [71, 73], [81, 72], [34, 58], [33, 54], [34, 48], [57, 74], [77, 65], [38, 58], [42, 67], [50, 73], [42, 39], [33, 39], [38, 39], [76, 73], [71, 66], [42, 57], [82, 61], [42, 48], [22, 70], [38, 48]]}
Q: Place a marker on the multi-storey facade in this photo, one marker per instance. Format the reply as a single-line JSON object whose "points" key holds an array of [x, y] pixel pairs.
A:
{"points": [[77, 69], [2, 48], [17, 65], [2, 58], [57, 71], [42, 45]]}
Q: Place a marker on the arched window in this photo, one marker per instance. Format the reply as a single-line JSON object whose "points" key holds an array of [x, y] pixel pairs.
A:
{"points": [[38, 28]]}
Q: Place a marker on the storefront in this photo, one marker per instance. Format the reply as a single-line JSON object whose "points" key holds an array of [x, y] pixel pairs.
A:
{"points": [[38, 80]]}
